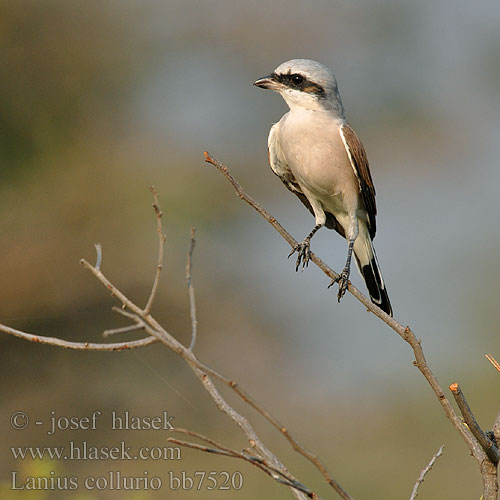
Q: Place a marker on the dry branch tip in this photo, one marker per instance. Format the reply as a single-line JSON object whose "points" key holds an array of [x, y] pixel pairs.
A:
{"points": [[493, 361], [424, 471], [98, 251]]}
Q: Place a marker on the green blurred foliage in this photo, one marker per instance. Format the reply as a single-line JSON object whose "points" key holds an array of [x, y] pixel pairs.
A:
{"points": [[66, 69]]}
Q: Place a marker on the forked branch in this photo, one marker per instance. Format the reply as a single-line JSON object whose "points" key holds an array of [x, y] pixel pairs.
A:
{"points": [[259, 462], [486, 443], [142, 319]]}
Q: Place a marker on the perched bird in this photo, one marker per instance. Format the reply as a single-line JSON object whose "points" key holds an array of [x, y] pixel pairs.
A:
{"points": [[319, 157]]}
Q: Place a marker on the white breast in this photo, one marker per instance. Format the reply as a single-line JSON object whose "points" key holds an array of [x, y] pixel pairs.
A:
{"points": [[315, 153]]}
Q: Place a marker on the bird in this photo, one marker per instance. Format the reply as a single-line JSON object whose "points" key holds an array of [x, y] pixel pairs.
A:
{"points": [[318, 157]]}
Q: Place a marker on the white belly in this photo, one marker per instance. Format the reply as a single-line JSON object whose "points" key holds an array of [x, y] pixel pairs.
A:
{"points": [[316, 155]]}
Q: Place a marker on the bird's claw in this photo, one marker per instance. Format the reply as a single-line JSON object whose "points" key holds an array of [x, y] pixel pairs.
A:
{"points": [[343, 280], [303, 254]]}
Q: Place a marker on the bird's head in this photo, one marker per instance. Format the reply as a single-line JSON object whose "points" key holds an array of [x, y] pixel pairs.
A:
{"points": [[304, 83]]}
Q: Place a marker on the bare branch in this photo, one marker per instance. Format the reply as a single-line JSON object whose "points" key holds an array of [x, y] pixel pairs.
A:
{"points": [[230, 452], [496, 429], [486, 443], [98, 250], [496, 425], [123, 311], [208, 440], [404, 332], [200, 447], [424, 471], [192, 303], [314, 459], [161, 244], [258, 462], [156, 330], [493, 361], [201, 371], [245, 455], [83, 346], [262, 211], [123, 329], [127, 303]]}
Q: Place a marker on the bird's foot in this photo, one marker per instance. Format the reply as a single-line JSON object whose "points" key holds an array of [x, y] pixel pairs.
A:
{"points": [[303, 254], [343, 281]]}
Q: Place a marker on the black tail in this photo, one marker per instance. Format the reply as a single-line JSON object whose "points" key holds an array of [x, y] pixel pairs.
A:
{"points": [[370, 270], [376, 287]]}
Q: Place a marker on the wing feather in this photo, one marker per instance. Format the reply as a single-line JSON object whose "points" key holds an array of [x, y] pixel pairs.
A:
{"points": [[359, 162]]}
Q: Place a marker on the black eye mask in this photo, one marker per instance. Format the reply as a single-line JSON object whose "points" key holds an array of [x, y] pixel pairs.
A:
{"points": [[298, 81]]}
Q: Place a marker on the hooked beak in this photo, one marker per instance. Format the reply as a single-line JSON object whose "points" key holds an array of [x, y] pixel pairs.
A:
{"points": [[268, 82]]}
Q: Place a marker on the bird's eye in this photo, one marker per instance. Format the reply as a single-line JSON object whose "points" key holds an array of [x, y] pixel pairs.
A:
{"points": [[297, 79]]}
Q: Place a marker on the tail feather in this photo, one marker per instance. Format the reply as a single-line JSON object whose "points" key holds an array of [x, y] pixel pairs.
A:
{"points": [[369, 269]]}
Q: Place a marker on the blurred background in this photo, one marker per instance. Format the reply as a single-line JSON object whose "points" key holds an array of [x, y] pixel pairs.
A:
{"points": [[100, 100]]}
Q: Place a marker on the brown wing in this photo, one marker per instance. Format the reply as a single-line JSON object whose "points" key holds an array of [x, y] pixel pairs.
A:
{"points": [[359, 162]]}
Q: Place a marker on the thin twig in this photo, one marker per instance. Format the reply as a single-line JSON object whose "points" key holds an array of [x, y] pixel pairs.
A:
{"points": [[123, 312], [83, 346], [424, 471], [123, 329], [256, 461], [314, 459], [487, 444], [115, 292], [493, 361], [192, 303], [229, 451], [161, 244], [98, 250], [234, 453], [195, 434]]}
